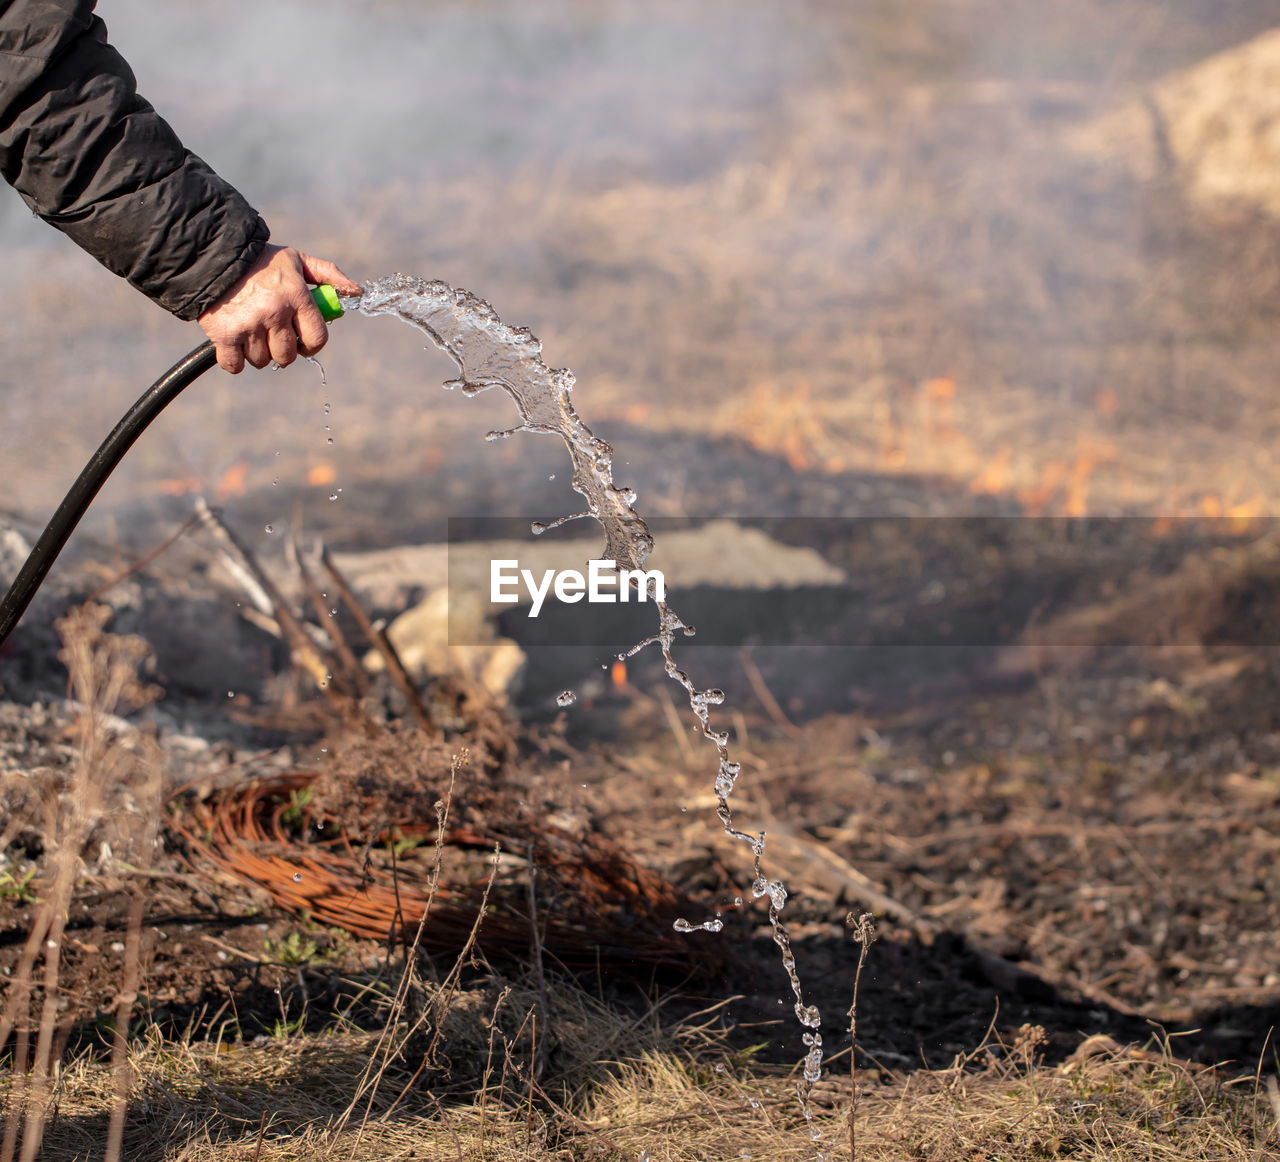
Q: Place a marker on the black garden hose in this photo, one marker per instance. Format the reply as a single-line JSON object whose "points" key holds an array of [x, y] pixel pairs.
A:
{"points": [[74, 505]]}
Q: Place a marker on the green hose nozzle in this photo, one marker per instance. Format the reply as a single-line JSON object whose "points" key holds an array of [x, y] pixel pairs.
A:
{"points": [[327, 300]]}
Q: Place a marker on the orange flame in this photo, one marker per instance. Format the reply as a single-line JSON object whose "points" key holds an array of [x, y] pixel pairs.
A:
{"points": [[321, 474], [1242, 515], [182, 485], [940, 394], [1088, 457], [781, 422], [618, 674], [232, 482], [1064, 488], [994, 478], [940, 390], [1036, 499]]}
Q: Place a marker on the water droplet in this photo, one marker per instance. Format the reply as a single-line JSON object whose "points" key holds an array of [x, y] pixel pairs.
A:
{"points": [[713, 925], [326, 409], [270, 529], [566, 698], [297, 877], [231, 693], [329, 440], [552, 476]]}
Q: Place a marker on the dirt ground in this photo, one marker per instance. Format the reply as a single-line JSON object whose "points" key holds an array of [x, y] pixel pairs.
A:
{"points": [[1077, 837]]}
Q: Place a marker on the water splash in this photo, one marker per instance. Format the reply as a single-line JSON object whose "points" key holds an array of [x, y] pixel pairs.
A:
{"points": [[490, 354], [715, 924]]}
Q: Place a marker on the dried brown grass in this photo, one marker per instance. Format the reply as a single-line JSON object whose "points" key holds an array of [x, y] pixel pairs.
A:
{"points": [[670, 1103], [884, 231], [111, 797]]}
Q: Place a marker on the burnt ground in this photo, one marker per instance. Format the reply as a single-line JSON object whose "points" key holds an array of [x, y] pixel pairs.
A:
{"points": [[1080, 834]]}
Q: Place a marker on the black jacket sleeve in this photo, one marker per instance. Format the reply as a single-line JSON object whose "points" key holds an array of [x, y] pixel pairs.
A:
{"points": [[95, 160]]}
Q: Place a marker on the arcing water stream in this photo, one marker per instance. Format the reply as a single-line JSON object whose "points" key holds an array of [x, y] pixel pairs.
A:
{"points": [[490, 354]]}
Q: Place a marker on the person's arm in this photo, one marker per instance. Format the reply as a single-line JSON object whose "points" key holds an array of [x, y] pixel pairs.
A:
{"points": [[95, 160]]}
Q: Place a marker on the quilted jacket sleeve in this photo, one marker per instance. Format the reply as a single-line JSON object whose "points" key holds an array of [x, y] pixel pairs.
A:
{"points": [[96, 161]]}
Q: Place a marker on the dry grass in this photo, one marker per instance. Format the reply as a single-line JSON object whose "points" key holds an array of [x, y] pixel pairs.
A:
{"points": [[662, 1102], [905, 277], [110, 798], [904, 268], [477, 1065]]}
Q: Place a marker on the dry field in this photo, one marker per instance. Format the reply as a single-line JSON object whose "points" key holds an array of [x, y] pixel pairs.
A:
{"points": [[927, 259]]}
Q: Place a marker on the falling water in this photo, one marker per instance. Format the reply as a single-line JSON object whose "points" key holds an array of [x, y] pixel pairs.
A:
{"points": [[488, 354]]}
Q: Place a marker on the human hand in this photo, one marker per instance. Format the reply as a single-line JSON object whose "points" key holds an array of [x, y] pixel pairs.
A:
{"points": [[269, 314]]}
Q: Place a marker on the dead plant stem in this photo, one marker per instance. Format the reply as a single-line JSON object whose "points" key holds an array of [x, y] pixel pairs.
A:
{"points": [[539, 1057], [864, 932], [380, 642], [124, 1013]]}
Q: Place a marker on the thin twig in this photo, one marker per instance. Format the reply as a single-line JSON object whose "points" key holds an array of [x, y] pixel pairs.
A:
{"points": [[677, 727], [353, 672], [146, 560], [540, 1055], [369, 1082], [233, 558], [262, 1129], [819, 863], [307, 651], [380, 642], [124, 1012], [864, 932], [767, 700]]}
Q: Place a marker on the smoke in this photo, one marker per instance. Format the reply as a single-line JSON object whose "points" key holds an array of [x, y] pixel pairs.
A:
{"points": [[692, 205], [320, 100]]}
